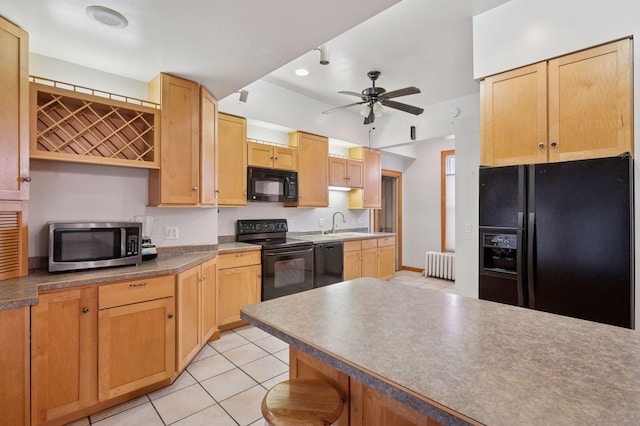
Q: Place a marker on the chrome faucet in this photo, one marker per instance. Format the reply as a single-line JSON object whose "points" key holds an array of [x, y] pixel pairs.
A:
{"points": [[333, 222]]}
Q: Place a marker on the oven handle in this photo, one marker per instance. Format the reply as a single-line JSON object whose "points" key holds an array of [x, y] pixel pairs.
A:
{"points": [[278, 252]]}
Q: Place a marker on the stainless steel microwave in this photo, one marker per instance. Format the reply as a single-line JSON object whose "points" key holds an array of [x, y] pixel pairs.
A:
{"points": [[271, 185], [86, 245]]}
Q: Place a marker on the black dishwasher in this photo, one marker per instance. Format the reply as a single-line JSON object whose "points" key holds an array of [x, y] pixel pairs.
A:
{"points": [[327, 263]]}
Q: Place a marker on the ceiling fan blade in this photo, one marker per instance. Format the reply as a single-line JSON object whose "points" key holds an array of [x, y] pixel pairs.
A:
{"points": [[402, 92], [403, 107], [343, 106], [369, 119], [346, 92]]}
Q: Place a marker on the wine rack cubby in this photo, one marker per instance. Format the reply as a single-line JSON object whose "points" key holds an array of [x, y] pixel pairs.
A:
{"points": [[77, 124]]}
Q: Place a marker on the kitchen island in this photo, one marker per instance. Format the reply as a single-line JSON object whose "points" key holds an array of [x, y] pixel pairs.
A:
{"points": [[459, 360]]}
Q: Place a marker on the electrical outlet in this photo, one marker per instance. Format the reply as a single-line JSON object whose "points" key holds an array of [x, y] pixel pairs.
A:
{"points": [[467, 228], [171, 233], [321, 221]]}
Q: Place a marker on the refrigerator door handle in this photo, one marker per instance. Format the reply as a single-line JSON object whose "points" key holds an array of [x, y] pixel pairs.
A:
{"points": [[519, 259], [530, 246]]}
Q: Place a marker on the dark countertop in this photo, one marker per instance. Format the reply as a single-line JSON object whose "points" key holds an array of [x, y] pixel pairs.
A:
{"points": [[23, 291], [454, 358]]}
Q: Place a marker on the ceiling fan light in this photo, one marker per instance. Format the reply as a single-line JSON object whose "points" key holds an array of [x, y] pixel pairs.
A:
{"points": [[365, 111], [377, 109]]}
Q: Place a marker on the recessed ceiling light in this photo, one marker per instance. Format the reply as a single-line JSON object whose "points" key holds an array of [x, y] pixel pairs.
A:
{"points": [[106, 16], [302, 72]]}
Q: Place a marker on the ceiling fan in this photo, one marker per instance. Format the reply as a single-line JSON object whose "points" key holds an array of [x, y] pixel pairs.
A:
{"points": [[375, 97]]}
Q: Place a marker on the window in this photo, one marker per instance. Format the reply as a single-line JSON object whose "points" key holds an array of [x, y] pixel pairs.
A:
{"points": [[448, 201]]}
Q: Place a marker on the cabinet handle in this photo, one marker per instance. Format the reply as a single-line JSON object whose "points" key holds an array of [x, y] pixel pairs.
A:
{"points": [[85, 310], [195, 188], [170, 316], [217, 191], [554, 144], [26, 179], [138, 284], [540, 144], [204, 277], [275, 158]]}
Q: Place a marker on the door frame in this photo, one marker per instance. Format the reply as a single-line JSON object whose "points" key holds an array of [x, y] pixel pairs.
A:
{"points": [[376, 214]]}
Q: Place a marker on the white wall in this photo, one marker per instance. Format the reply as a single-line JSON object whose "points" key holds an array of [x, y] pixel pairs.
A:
{"points": [[299, 219], [526, 31], [421, 202]]}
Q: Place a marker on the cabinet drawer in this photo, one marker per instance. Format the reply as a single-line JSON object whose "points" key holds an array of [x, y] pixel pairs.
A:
{"points": [[127, 292], [234, 260], [386, 241], [352, 245], [371, 243]]}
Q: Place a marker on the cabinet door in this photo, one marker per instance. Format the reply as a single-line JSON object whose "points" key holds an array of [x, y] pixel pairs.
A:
{"points": [[188, 308], [590, 103], [369, 266], [259, 155], [285, 158], [208, 301], [237, 287], [372, 179], [64, 353], [355, 174], [14, 359], [370, 407], [514, 117], [337, 171], [14, 112], [179, 140], [351, 267], [208, 148], [137, 346], [232, 170], [386, 262], [14, 259], [313, 169]]}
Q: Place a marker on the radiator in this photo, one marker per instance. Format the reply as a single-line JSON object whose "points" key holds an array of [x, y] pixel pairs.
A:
{"points": [[440, 265]]}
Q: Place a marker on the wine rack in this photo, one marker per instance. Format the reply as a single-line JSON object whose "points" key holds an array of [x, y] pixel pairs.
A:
{"points": [[77, 124]]}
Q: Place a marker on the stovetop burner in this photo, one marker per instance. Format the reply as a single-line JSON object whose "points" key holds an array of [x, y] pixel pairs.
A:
{"points": [[269, 233]]}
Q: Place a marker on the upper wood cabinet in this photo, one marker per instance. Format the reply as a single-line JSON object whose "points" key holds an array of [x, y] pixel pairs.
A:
{"points": [[187, 144], [345, 172], [574, 107], [208, 148], [272, 156], [232, 170], [313, 169], [14, 112], [371, 194]]}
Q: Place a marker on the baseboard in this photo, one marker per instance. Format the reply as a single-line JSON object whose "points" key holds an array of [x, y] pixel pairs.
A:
{"points": [[411, 268]]}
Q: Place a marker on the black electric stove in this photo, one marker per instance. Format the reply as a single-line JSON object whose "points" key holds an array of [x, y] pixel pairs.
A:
{"points": [[287, 263]]}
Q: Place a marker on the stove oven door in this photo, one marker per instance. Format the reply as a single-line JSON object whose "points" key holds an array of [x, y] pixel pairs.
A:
{"points": [[286, 271]]}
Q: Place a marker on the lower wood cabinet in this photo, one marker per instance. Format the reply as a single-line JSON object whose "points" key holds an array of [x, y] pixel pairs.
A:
{"points": [[136, 335], [64, 353], [14, 359], [363, 405], [239, 284], [196, 310], [373, 258]]}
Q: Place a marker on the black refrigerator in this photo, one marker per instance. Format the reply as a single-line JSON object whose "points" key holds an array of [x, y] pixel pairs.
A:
{"points": [[558, 237]]}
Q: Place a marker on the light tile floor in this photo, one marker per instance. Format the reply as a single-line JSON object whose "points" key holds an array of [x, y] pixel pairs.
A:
{"points": [[225, 383]]}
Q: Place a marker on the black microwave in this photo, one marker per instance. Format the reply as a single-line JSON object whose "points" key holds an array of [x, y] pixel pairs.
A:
{"points": [[271, 185], [86, 245]]}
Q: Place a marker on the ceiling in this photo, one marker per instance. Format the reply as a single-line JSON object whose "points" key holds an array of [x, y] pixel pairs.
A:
{"points": [[226, 45]]}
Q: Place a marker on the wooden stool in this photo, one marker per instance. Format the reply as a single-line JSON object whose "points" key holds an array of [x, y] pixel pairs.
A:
{"points": [[302, 402]]}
